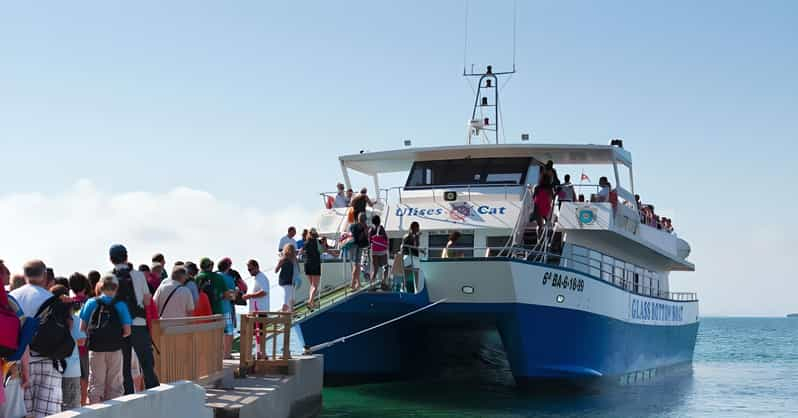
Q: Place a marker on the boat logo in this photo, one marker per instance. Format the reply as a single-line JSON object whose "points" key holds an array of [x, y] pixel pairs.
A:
{"points": [[459, 212], [586, 216]]}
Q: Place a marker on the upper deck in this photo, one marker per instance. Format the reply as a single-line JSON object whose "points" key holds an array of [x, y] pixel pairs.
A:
{"points": [[486, 189]]}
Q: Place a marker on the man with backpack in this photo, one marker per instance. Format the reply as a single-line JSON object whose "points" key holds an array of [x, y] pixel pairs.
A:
{"points": [[51, 344], [134, 292], [107, 321], [360, 234]]}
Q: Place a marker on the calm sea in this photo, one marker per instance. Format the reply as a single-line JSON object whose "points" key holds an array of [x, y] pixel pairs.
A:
{"points": [[743, 367]]}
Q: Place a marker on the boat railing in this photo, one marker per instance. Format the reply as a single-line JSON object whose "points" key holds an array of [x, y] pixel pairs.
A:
{"points": [[600, 270], [606, 272]]}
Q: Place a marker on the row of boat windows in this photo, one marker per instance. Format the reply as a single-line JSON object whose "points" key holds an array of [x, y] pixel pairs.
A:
{"points": [[463, 248], [613, 270]]}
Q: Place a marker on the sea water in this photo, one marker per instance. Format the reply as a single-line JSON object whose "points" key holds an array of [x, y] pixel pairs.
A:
{"points": [[742, 367]]}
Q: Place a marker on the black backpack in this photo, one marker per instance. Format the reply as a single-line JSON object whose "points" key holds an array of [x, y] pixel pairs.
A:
{"points": [[127, 293], [53, 338], [105, 328]]}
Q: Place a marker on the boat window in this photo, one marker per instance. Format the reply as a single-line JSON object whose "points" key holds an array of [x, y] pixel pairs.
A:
{"points": [[463, 248], [468, 172], [495, 245]]}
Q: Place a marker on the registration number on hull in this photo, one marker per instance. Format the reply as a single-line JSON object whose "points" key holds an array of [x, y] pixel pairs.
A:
{"points": [[563, 281]]}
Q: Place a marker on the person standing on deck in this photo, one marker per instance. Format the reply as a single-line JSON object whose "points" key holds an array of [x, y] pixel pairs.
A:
{"points": [[604, 190], [359, 203], [341, 201], [360, 234], [410, 256], [379, 250], [288, 239], [285, 267], [133, 290], [566, 193], [313, 265]]}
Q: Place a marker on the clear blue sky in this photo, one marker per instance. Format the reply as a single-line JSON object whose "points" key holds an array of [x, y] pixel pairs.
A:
{"points": [[253, 101]]}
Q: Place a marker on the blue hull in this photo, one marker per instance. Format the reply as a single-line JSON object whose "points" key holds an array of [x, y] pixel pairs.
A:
{"points": [[541, 343]]}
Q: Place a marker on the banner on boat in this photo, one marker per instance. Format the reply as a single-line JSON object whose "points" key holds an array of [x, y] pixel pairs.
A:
{"points": [[446, 215]]}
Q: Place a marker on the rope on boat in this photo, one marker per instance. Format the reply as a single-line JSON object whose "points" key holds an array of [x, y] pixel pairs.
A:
{"points": [[317, 347]]}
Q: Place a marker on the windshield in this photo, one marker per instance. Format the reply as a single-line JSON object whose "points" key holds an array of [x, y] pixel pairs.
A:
{"points": [[468, 172]]}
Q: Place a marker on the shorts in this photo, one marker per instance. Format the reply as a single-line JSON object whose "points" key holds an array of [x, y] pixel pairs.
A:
{"points": [[43, 397], [229, 329], [288, 295], [355, 254], [379, 260], [70, 392], [84, 366]]}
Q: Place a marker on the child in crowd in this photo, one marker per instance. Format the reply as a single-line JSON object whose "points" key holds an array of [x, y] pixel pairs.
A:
{"points": [[70, 379], [106, 321]]}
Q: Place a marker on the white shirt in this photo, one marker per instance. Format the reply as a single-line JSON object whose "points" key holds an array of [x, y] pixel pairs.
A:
{"points": [[567, 192], [30, 298], [141, 289], [285, 241], [340, 201], [604, 194], [254, 285]]}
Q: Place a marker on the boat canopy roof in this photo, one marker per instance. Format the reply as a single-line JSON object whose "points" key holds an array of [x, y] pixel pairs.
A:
{"points": [[372, 163]]}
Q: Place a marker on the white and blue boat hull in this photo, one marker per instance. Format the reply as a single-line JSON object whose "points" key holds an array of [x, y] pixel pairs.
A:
{"points": [[554, 323]]}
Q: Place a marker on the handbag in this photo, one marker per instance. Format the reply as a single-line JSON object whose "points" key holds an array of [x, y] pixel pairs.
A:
{"points": [[297, 277]]}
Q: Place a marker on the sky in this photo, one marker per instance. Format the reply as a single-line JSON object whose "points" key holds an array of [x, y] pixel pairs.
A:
{"points": [[201, 128]]}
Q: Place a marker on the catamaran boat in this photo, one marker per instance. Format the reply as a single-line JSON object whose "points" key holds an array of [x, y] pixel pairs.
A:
{"points": [[584, 296]]}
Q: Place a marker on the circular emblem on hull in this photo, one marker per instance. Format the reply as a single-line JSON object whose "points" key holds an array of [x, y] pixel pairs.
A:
{"points": [[586, 216], [468, 290]]}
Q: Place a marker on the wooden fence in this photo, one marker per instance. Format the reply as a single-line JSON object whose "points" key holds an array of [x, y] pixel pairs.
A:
{"points": [[265, 327], [189, 348]]}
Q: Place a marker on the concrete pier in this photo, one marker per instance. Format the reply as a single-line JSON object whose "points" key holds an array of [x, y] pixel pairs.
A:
{"points": [[294, 394]]}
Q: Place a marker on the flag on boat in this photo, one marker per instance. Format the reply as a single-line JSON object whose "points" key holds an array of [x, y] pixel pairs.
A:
{"points": [[584, 177]]}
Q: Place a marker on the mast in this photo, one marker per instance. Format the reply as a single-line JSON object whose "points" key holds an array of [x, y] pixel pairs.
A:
{"points": [[485, 119]]}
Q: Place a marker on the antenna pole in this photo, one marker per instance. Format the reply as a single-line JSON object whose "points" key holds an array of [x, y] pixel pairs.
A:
{"points": [[515, 19], [465, 37]]}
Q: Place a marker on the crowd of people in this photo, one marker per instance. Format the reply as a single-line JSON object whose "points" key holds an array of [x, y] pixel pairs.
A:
{"points": [[68, 342], [549, 190]]}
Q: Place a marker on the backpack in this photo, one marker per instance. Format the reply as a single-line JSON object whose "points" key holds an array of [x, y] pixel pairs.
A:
{"points": [[53, 339], [126, 293], [379, 240], [9, 327], [105, 328], [206, 286]]}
